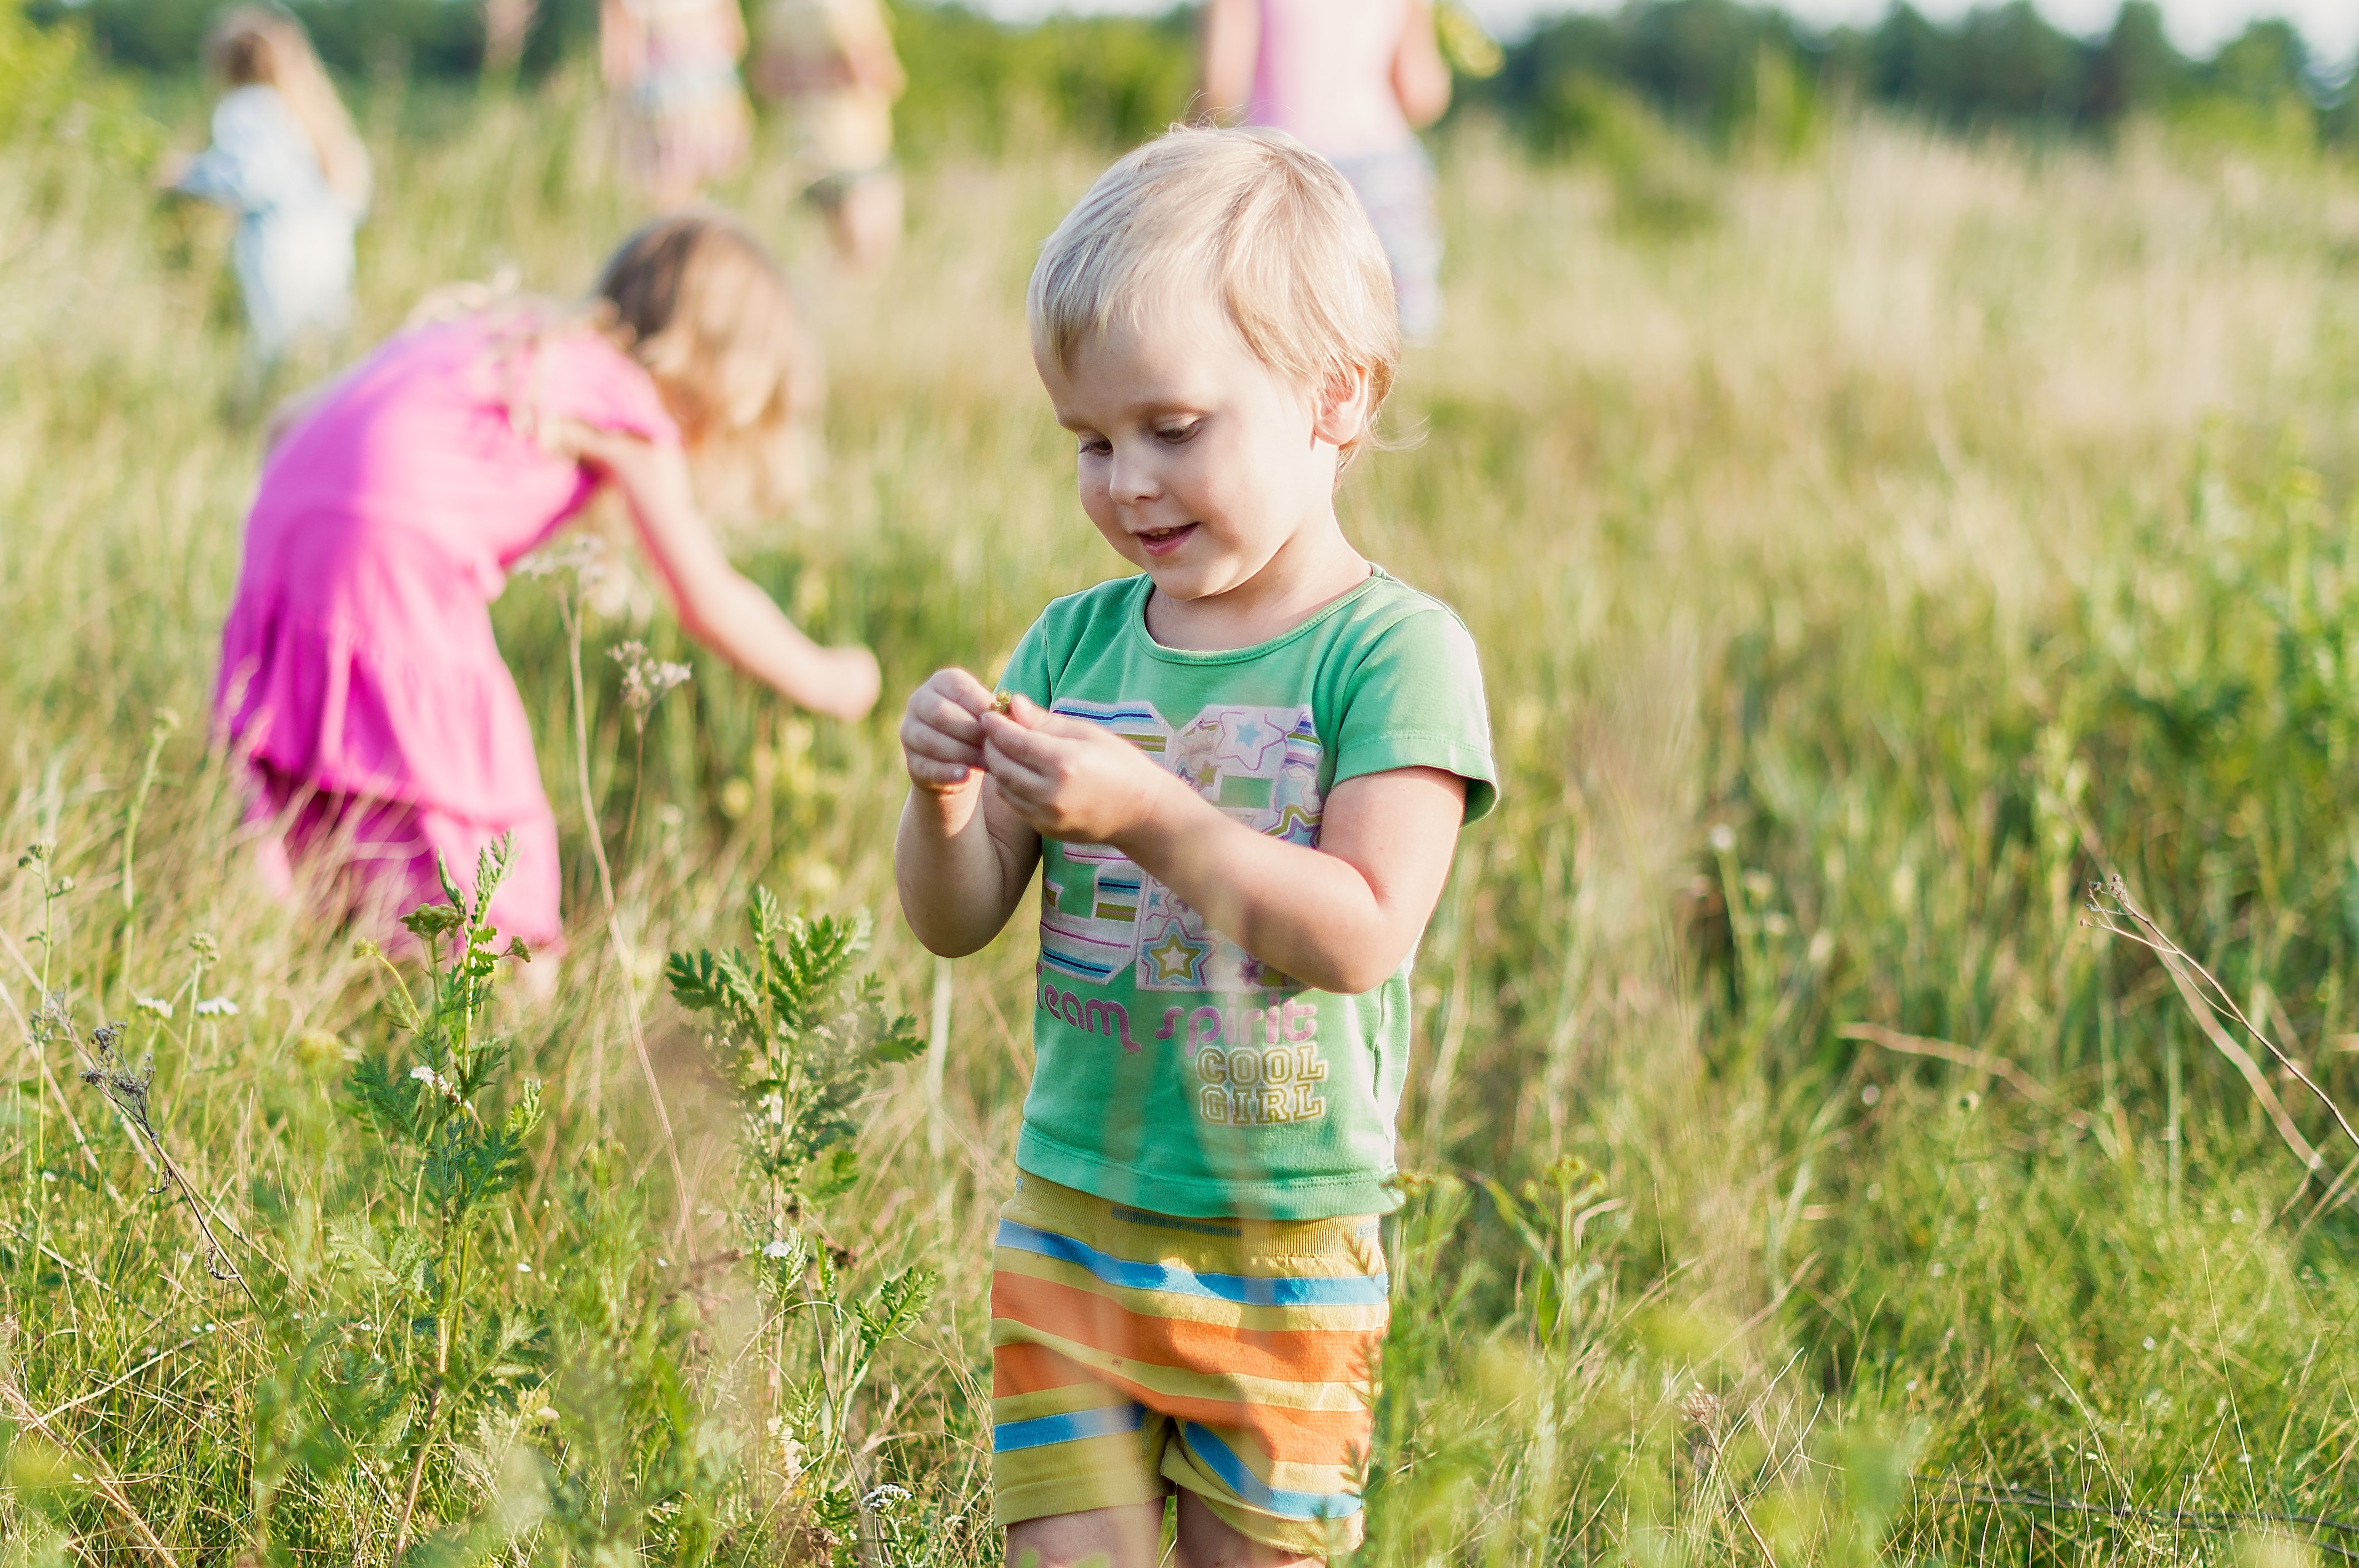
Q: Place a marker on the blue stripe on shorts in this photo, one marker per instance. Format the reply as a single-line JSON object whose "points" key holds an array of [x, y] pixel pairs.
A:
{"points": [[1246, 1290], [1254, 1492], [1105, 1420]]}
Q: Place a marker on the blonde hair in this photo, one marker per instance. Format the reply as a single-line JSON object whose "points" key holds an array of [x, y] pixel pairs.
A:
{"points": [[1250, 216], [259, 45], [699, 301]]}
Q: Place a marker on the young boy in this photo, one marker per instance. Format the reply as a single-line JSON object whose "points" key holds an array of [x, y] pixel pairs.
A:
{"points": [[1243, 773]]}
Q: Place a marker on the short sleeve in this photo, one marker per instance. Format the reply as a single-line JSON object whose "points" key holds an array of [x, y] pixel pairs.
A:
{"points": [[257, 160], [583, 377], [1028, 667], [1415, 699]]}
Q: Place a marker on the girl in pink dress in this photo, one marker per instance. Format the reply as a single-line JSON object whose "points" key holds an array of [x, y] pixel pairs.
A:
{"points": [[359, 679], [1352, 80]]}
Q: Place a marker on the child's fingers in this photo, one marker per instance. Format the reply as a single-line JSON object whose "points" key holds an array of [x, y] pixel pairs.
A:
{"points": [[941, 714], [1030, 715], [1033, 748], [919, 742], [1024, 710], [961, 689], [1021, 784], [932, 747], [928, 773]]}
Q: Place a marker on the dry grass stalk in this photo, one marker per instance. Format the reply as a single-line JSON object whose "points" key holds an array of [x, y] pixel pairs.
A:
{"points": [[2210, 1002], [1981, 1062]]}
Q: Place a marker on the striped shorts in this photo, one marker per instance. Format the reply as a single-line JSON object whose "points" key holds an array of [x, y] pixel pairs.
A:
{"points": [[1133, 1353]]}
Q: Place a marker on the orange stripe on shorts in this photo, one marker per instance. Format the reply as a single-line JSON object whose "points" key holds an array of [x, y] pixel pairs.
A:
{"points": [[1295, 1355], [1287, 1435]]}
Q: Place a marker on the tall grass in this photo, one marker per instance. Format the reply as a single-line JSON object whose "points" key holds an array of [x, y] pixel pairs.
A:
{"points": [[1863, 563]]}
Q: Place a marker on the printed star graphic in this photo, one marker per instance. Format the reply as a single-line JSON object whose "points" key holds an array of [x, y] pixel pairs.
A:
{"points": [[1175, 956], [1250, 739]]}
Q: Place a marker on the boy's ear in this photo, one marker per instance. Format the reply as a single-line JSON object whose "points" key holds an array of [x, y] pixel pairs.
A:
{"points": [[1341, 416]]}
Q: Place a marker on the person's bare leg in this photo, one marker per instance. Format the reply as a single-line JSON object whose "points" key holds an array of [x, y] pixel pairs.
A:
{"points": [[1208, 1540], [867, 222], [1099, 1538]]}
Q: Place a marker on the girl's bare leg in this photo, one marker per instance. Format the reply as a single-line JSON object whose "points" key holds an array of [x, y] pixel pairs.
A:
{"points": [[867, 222]]}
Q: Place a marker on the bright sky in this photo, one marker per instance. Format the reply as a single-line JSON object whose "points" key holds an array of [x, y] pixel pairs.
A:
{"points": [[2196, 25]]}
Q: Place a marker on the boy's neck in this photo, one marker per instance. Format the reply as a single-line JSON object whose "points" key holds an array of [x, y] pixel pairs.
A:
{"points": [[1310, 571]]}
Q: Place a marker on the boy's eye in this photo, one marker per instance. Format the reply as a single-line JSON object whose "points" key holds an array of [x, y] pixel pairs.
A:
{"points": [[1172, 435], [1095, 446]]}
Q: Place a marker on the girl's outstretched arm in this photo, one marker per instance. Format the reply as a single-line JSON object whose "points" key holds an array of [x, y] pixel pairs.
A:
{"points": [[717, 605]]}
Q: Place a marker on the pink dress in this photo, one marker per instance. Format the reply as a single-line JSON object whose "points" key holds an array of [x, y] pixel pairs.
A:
{"points": [[1324, 75], [359, 677]]}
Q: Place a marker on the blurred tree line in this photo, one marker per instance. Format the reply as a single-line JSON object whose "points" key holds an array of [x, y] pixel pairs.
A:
{"points": [[1719, 67], [1730, 68]]}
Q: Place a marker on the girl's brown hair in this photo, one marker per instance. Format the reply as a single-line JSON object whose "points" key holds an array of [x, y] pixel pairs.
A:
{"points": [[261, 45], [699, 301]]}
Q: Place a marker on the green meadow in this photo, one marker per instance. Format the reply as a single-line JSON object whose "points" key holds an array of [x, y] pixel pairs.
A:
{"points": [[1873, 539]]}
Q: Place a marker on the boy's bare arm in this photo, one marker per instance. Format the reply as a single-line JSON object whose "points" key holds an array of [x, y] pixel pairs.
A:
{"points": [[1341, 917], [961, 858]]}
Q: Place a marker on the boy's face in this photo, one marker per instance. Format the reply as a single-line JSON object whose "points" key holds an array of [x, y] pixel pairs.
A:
{"points": [[1197, 461]]}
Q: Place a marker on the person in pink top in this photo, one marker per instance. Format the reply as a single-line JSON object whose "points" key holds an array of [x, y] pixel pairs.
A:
{"points": [[359, 679], [1353, 80]]}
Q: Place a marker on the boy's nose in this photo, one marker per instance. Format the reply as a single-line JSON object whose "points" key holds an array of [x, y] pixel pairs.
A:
{"points": [[1133, 481]]}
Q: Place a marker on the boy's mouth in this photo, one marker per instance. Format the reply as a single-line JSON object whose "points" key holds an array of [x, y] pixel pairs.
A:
{"points": [[1163, 541]]}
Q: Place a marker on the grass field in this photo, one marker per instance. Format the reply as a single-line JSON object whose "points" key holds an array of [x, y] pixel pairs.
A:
{"points": [[1868, 548]]}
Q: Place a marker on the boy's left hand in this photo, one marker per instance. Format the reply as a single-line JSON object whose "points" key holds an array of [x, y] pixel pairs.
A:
{"points": [[1070, 780]]}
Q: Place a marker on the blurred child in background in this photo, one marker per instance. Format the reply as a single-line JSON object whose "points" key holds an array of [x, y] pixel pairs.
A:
{"points": [[286, 160], [671, 66], [359, 679], [831, 63], [1353, 80]]}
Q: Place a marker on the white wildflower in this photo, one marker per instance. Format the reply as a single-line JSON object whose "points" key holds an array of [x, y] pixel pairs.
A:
{"points": [[158, 1005], [885, 1499], [646, 678], [216, 1007]]}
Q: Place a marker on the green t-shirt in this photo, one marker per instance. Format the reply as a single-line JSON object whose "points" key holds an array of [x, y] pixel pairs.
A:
{"points": [[1175, 1071]]}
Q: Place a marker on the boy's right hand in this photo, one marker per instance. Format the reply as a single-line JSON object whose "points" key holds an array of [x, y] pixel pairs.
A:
{"points": [[942, 732]]}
